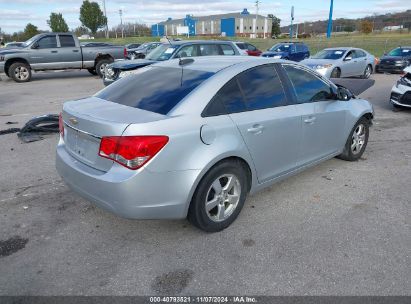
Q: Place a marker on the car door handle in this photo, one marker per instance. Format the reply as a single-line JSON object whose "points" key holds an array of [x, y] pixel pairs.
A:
{"points": [[256, 129], [54, 51], [75, 51], [310, 120]]}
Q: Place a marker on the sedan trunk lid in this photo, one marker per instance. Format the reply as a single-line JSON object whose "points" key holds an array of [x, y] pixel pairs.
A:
{"points": [[86, 121]]}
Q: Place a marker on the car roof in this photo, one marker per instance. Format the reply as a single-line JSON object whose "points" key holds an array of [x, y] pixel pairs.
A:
{"points": [[182, 42], [212, 64], [345, 48]]}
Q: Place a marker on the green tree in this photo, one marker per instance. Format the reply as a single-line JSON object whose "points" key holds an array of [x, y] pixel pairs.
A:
{"points": [[57, 23], [275, 28], [29, 31], [91, 16]]}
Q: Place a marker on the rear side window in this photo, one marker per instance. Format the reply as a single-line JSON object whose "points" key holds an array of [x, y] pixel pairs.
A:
{"points": [[359, 54], [307, 86], [47, 42], [242, 46], [262, 88], [210, 50], [230, 97], [157, 89], [67, 41], [227, 49], [251, 47]]}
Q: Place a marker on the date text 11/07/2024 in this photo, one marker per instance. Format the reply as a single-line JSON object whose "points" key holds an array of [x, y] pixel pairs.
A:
{"points": [[203, 299]]}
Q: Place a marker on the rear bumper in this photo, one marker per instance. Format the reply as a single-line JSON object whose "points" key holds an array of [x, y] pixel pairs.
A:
{"points": [[131, 194]]}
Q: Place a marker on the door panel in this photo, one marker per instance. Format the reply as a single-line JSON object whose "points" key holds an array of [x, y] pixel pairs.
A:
{"points": [[322, 129], [273, 138], [69, 55], [46, 55]]}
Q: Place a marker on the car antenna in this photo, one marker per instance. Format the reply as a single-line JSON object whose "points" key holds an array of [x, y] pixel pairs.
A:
{"points": [[182, 63]]}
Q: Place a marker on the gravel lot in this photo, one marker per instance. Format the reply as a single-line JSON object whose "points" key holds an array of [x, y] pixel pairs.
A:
{"points": [[339, 228]]}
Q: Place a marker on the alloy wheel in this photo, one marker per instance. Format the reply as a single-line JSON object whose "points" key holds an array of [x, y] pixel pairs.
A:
{"points": [[21, 73], [358, 139], [223, 197]]}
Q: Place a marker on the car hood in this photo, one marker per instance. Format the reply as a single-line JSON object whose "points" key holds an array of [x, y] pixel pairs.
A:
{"points": [[131, 64], [311, 62], [271, 53], [12, 51]]}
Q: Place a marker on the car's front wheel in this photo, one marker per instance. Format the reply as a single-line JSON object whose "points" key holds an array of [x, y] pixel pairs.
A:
{"points": [[20, 72], [336, 73], [367, 72], [357, 141], [219, 197]]}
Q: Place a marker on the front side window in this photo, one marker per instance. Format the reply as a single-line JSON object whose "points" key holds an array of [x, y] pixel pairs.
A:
{"points": [[47, 42], [157, 89], [262, 88], [307, 87], [67, 41]]}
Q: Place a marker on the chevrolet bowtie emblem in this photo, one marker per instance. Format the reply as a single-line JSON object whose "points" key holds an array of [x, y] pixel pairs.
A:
{"points": [[73, 120]]}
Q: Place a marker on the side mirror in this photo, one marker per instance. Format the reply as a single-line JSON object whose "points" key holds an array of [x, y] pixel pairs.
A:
{"points": [[35, 45], [348, 58], [344, 94]]}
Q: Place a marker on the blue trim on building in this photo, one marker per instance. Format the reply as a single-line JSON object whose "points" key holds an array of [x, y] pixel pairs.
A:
{"points": [[191, 23], [228, 27], [157, 30]]}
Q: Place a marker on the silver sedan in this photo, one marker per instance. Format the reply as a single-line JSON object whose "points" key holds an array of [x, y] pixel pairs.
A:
{"points": [[342, 62], [193, 137]]}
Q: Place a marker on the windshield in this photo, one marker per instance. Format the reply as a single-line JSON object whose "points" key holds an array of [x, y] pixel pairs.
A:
{"points": [[151, 92], [329, 54], [280, 47], [162, 52], [30, 41], [400, 52]]}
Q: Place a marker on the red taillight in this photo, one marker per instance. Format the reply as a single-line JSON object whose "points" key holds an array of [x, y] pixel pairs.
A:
{"points": [[131, 151], [125, 53], [61, 125]]}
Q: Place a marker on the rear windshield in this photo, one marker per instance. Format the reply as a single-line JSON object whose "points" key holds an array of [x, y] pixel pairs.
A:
{"points": [[157, 89]]}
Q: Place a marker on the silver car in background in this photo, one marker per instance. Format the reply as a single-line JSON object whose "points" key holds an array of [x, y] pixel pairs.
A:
{"points": [[342, 62], [193, 137]]}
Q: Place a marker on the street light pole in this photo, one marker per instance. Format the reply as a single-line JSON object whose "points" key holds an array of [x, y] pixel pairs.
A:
{"points": [[330, 20], [257, 3], [105, 15], [121, 22]]}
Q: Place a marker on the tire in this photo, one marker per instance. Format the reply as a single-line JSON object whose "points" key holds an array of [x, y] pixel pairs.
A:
{"points": [[100, 65], [367, 72], [216, 189], [20, 72], [336, 73], [354, 150], [92, 71]]}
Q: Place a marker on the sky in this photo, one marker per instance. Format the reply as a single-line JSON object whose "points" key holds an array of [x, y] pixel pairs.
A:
{"points": [[15, 14]]}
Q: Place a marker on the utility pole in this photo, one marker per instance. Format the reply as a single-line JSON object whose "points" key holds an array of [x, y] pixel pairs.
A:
{"points": [[330, 20], [292, 19], [257, 3], [120, 11], [105, 15]]}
